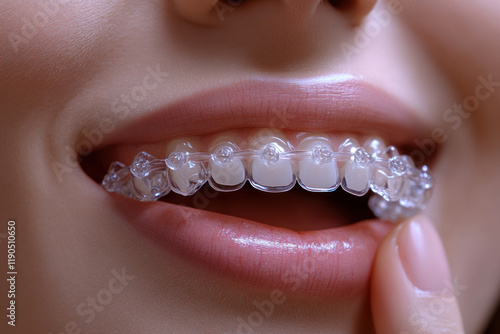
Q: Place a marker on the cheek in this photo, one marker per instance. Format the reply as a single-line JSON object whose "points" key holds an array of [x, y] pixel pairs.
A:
{"points": [[463, 35], [49, 43]]}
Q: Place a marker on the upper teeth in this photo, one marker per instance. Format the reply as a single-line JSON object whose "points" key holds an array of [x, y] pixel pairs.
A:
{"points": [[401, 190]]}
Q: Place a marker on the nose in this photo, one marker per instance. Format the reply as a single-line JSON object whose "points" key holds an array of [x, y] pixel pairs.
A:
{"points": [[274, 35], [356, 10], [207, 12]]}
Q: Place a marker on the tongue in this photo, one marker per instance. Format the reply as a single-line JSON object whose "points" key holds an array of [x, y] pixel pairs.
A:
{"points": [[296, 209]]}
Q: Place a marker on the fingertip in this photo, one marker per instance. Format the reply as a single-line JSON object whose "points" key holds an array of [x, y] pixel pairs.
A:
{"points": [[422, 255], [410, 280]]}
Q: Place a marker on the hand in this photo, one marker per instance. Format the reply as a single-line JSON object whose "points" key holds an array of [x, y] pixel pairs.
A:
{"points": [[411, 289]]}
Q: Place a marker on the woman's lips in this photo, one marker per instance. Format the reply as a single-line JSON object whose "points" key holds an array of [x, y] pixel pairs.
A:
{"points": [[324, 263], [327, 262], [342, 104]]}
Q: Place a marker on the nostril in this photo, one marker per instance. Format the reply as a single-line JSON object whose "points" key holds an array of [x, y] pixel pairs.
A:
{"points": [[355, 9], [340, 4], [234, 2], [204, 12]]}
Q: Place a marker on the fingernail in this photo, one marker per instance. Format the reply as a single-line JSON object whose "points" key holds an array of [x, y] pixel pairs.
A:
{"points": [[422, 255]]}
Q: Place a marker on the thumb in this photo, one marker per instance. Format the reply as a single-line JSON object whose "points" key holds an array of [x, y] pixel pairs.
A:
{"points": [[411, 286]]}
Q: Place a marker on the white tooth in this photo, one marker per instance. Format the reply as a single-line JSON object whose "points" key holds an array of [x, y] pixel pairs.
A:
{"points": [[187, 179], [318, 172], [356, 179], [151, 187], [230, 174], [271, 172], [278, 176], [318, 177]]}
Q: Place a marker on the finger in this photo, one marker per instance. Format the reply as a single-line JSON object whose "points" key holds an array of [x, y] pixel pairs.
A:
{"points": [[411, 290]]}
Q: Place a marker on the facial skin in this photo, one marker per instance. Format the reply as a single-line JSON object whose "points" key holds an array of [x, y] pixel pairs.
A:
{"points": [[62, 77]]}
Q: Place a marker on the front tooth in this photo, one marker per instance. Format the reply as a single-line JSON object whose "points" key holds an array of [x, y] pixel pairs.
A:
{"points": [[356, 172], [227, 173], [187, 177], [319, 172], [270, 171]]}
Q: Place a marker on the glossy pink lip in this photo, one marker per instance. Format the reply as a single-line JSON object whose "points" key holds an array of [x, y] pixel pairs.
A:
{"points": [[333, 262], [328, 263], [340, 105]]}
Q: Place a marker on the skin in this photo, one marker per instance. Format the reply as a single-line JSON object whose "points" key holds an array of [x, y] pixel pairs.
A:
{"points": [[63, 79]]}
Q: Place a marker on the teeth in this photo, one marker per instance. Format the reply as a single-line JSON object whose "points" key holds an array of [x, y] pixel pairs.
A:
{"points": [[271, 171], [400, 189], [112, 180], [374, 146], [318, 172], [146, 183], [356, 179], [356, 173], [418, 190], [186, 177], [349, 146], [152, 187], [227, 173], [387, 184]]}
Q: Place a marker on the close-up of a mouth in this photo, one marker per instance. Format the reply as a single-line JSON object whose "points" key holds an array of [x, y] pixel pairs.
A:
{"points": [[279, 185]]}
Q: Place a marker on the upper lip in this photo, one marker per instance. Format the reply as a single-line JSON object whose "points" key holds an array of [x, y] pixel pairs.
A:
{"points": [[248, 251], [341, 104]]}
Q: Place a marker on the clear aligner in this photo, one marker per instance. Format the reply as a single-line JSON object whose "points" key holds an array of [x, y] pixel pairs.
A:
{"points": [[399, 189]]}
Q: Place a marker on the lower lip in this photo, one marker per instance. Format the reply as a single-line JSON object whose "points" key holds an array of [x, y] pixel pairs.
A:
{"points": [[325, 263]]}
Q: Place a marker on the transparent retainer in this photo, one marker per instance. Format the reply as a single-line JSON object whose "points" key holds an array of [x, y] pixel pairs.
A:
{"points": [[400, 190]]}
